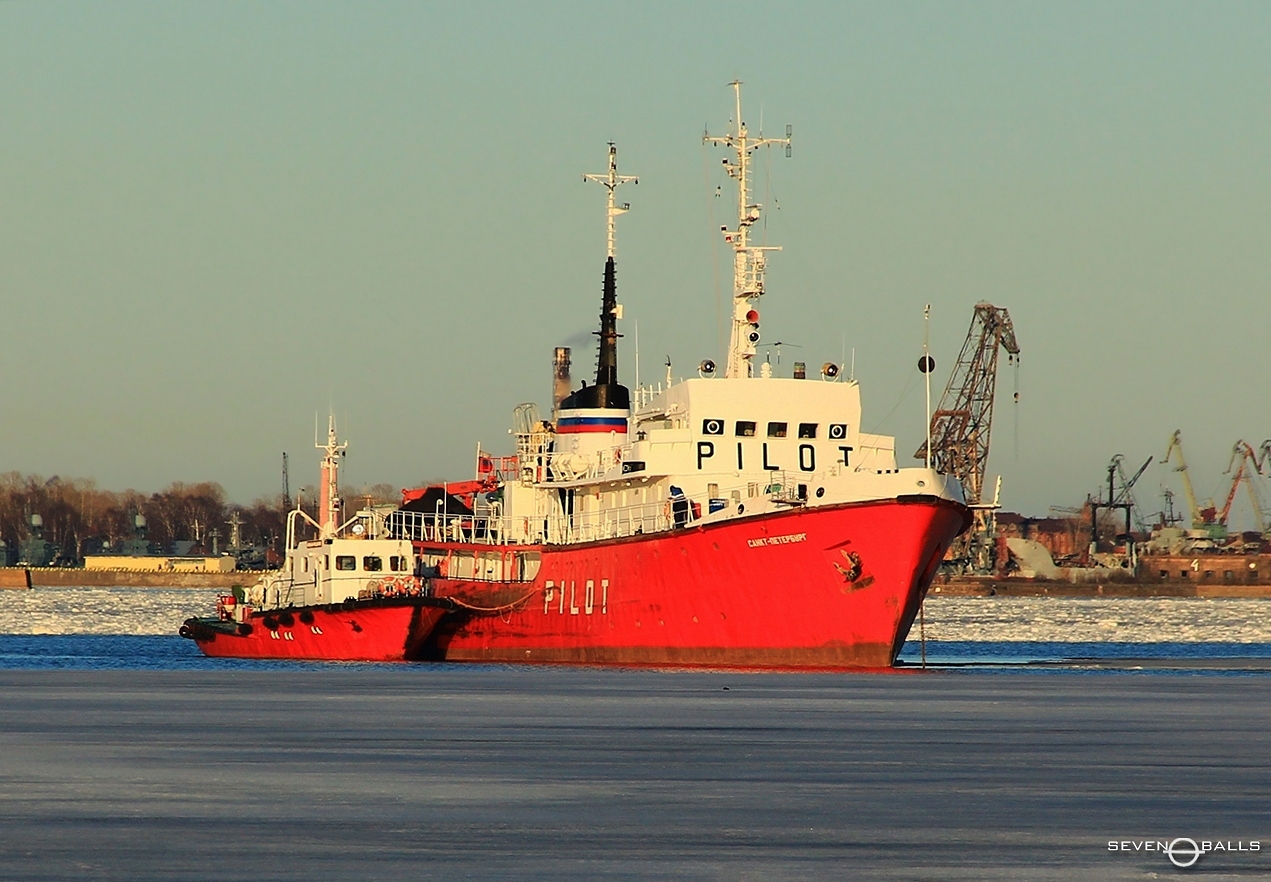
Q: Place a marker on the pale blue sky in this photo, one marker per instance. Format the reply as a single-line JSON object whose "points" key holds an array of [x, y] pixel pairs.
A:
{"points": [[215, 219]]}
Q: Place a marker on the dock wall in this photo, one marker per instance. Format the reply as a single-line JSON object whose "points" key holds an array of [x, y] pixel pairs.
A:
{"points": [[69, 577]]}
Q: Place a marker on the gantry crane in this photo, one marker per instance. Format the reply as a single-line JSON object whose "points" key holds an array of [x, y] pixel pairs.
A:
{"points": [[962, 423]]}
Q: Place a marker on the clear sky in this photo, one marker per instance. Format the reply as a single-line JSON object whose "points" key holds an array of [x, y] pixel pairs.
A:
{"points": [[218, 219]]}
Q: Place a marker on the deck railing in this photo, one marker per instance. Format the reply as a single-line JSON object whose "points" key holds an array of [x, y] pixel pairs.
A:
{"points": [[492, 526]]}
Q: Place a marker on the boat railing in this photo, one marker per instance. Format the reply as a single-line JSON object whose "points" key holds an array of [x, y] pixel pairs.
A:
{"points": [[555, 528], [493, 526], [504, 468], [538, 462], [644, 394]]}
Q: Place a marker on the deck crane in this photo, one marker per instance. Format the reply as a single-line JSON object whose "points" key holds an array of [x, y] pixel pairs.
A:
{"points": [[1251, 464], [961, 424], [1205, 518]]}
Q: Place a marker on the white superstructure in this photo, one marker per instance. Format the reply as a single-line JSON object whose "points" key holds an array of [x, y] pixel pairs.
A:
{"points": [[352, 560], [698, 451]]}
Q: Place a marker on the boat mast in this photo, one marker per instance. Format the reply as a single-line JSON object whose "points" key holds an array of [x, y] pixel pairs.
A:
{"points": [[612, 181], [607, 354], [329, 494], [748, 260]]}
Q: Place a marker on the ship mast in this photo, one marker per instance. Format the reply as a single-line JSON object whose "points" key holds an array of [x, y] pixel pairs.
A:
{"points": [[329, 493], [748, 260], [607, 352], [612, 181]]}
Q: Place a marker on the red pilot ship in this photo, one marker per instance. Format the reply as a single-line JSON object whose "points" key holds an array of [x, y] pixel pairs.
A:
{"points": [[735, 520]]}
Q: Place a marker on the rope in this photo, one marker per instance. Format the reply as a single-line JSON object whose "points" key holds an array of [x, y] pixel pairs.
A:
{"points": [[514, 606], [922, 629]]}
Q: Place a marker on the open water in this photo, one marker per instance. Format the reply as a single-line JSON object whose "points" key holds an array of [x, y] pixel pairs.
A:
{"points": [[135, 628], [1063, 739]]}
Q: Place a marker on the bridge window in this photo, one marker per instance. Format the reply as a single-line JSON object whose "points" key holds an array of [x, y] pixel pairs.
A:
{"points": [[807, 430], [372, 563], [745, 429], [776, 430], [397, 563], [345, 562]]}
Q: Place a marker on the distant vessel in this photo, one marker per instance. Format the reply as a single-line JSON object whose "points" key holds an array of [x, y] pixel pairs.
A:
{"points": [[351, 594], [743, 520]]}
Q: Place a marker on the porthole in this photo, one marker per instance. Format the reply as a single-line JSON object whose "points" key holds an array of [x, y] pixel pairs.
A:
{"points": [[820, 491]]}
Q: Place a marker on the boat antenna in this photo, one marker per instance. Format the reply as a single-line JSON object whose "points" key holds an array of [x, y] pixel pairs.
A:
{"points": [[927, 364], [748, 260], [636, 324], [329, 501]]}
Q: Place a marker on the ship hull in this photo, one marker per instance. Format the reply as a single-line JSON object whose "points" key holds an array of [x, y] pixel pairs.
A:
{"points": [[362, 631], [820, 587]]}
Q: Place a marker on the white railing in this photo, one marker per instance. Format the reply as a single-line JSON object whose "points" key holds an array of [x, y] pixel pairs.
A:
{"points": [[644, 394], [557, 527], [540, 464]]}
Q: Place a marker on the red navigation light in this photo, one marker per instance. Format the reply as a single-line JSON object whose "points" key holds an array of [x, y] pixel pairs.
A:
{"points": [[752, 316]]}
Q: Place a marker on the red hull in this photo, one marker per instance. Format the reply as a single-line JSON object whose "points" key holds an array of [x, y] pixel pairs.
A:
{"points": [[375, 631], [828, 587]]}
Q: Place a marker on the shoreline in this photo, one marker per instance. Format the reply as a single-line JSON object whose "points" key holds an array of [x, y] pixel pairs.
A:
{"points": [[19, 578], [972, 586]]}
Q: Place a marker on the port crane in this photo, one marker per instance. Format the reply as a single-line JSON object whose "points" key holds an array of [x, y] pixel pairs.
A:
{"points": [[962, 423], [1205, 518], [1121, 498], [1250, 464]]}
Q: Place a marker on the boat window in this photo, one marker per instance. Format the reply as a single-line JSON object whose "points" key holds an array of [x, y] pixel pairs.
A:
{"points": [[527, 562], [462, 565], [372, 563], [807, 430], [745, 429], [776, 430], [490, 566], [397, 563], [345, 562], [304, 564]]}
